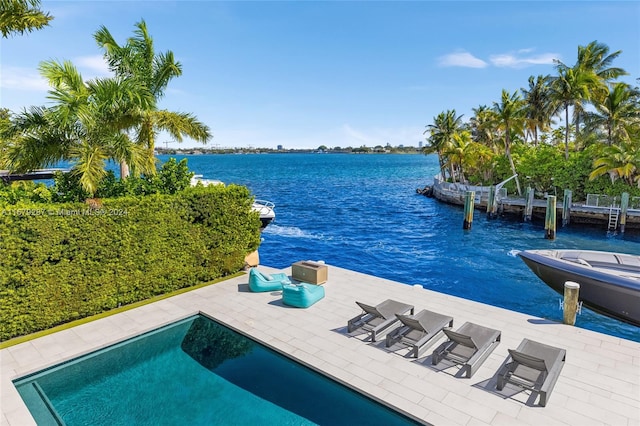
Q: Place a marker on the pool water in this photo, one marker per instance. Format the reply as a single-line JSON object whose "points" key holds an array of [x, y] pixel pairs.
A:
{"points": [[194, 372]]}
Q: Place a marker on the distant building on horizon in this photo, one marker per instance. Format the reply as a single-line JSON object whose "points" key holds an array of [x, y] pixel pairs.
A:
{"points": [[420, 144], [279, 148]]}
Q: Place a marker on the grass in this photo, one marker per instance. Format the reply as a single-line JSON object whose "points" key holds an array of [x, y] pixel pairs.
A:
{"points": [[65, 326]]}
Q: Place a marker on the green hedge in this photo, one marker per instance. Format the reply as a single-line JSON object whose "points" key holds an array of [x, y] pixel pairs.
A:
{"points": [[62, 262]]}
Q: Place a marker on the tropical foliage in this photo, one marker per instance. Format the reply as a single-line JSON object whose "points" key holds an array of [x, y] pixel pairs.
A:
{"points": [[91, 123], [599, 133], [84, 126], [20, 16], [136, 60]]}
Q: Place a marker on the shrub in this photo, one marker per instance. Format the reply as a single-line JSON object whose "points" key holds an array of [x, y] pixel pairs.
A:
{"points": [[65, 261]]}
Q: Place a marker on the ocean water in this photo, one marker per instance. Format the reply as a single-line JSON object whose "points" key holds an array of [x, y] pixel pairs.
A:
{"points": [[361, 212]]}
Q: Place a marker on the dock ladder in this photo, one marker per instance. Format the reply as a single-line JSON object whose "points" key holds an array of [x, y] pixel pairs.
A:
{"points": [[614, 213]]}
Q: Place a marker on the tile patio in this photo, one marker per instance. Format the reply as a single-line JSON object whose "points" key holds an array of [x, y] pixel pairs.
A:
{"points": [[600, 382]]}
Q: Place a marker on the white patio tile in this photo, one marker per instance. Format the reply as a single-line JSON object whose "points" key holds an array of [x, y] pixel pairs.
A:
{"points": [[600, 383]]}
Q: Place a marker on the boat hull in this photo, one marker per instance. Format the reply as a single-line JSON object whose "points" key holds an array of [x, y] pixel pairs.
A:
{"points": [[606, 293]]}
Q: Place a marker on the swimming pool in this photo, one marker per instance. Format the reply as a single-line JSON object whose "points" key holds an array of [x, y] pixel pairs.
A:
{"points": [[197, 372]]}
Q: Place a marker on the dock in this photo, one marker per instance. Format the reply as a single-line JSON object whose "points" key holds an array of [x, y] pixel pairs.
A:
{"points": [[605, 214], [599, 384]]}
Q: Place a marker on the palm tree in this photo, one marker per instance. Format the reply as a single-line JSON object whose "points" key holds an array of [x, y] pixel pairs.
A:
{"points": [[84, 126], [441, 132], [570, 88], [617, 113], [483, 126], [587, 80], [20, 16], [137, 60], [619, 161], [538, 106], [510, 114], [458, 152], [595, 57]]}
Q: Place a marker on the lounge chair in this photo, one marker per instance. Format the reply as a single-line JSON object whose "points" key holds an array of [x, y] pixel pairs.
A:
{"points": [[259, 282], [378, 319], [419, 331], [301, 295], [468, 346], [534, 366]]}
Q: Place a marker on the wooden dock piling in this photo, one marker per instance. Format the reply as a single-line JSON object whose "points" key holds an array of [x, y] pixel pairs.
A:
{"points": [[468, 209], [566, 207], [550, 219], [528, 204], [624, 205], [570, 306], [492, 204]]}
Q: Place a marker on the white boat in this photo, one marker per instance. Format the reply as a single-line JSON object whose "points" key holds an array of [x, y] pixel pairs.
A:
{"points": [[266, 209], [609, 282]]}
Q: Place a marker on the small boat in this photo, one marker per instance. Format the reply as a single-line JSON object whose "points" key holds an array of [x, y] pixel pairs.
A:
{"points": [[609, 282], [266, 209]]}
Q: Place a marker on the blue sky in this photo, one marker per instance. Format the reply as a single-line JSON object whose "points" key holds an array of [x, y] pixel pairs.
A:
{"points": [[307, 73]]}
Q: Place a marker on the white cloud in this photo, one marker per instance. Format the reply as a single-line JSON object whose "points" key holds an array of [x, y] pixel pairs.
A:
{"points": [[18, 78], [510, 60], [461, 59], [94, 65], [519, 59]]}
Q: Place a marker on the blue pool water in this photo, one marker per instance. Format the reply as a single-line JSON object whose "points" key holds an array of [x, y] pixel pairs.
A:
{"points": [[361, 212], [194, 372]]}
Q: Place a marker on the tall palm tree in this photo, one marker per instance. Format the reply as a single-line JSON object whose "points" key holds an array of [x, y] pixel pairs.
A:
{"points": [[510, 113], [571, 88], [84, 125], [483, 126], [441, 132], [538, 106], [617, 113], [137, 60], [20, 16], [590, 74], [595, 57]]}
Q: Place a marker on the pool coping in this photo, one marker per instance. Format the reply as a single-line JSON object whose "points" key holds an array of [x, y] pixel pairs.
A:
{"points": [[600, 382]]}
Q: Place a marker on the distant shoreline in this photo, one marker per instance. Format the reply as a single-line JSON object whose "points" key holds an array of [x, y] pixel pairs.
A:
{"points": [[200, 151]]}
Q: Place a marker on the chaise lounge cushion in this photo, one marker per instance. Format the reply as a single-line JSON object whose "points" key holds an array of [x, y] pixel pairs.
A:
{"points": [[301, 295], [259, 282]]}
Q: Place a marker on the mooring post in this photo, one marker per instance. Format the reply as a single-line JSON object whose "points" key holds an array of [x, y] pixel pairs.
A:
{"points": [[566, 207], [571, 292], [550, 219], [492, 207], [528, 204], [468, 210], [624, 205]]}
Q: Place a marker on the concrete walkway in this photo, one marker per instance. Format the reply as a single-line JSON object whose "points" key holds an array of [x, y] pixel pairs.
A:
{"points": [[600, 382]]}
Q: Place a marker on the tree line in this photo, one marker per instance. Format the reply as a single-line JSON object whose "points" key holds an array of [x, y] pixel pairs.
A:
{"points": [[601, 118]]}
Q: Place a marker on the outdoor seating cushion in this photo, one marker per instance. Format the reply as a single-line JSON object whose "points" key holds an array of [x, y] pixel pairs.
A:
{"points": [[301, 295], [259, 282]]}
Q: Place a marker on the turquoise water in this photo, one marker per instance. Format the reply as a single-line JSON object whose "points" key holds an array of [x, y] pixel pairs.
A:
{"points": [[195, 372], [361, 212]]}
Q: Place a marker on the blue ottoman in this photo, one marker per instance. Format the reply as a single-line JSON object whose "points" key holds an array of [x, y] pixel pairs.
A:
{"points": [[301, 295]]}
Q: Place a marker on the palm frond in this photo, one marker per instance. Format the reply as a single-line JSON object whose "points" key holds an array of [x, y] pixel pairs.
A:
{"points": [[89, 166], [179, 124]]}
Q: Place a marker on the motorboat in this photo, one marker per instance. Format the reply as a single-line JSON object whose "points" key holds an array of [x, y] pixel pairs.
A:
{"points": [[609, 282], [266, 209]]}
